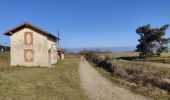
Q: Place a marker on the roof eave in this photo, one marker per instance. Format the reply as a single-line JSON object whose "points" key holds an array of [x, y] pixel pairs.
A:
{"points": [[9, 32]]}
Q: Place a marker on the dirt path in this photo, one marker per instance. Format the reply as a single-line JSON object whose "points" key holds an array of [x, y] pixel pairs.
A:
{"points": [[99, 88]]}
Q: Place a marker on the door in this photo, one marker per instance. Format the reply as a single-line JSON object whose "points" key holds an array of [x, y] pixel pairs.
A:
{"points": [[49, 56]]}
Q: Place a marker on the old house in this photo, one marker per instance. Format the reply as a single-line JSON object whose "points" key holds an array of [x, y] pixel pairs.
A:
{"points": [[60, 55], [32, 46]]}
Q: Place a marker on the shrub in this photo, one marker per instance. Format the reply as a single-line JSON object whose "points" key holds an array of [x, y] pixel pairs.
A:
{"points": [[141, 75]]}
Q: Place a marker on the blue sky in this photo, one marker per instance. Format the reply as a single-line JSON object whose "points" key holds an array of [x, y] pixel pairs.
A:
{"points": [[86, 23]]}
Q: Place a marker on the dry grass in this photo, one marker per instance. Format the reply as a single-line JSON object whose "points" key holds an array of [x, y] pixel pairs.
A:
{"points": [[164, 60], [154, 93], [133, 54], [146, 90], [4, 60], [58, 83], [140, 77], [125, 54]]}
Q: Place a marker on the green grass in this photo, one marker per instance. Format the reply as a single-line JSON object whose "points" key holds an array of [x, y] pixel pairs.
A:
{"points": [[58, 83], [125, 54], [156, 60], [134, 56]]}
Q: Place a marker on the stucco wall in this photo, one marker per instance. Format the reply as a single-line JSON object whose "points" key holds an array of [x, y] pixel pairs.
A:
{"points": [[62, 56], [52, 47], [18, 46]]}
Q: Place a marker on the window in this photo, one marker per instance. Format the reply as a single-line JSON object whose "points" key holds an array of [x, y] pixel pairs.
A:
{"points": [[29, 55], [28, 38]]}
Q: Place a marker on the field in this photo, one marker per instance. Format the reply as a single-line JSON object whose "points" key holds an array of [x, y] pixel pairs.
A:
{"points": [[62, 81], [58, 83], [145, 77], [134, 56]]}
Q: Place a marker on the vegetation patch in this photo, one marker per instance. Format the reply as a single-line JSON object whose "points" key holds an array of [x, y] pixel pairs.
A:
{"points": [[133, 56], [4, 60], [137, 75], [60, 82]]}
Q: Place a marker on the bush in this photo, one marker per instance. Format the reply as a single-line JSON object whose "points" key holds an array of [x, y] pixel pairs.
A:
{"points": [[141, 75]]}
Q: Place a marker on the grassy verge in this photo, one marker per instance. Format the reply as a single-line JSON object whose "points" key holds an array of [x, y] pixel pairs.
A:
{"points": [[4, 60], [57, 83], [150, 91], [145, 78], [156, 60], [134, 56]]}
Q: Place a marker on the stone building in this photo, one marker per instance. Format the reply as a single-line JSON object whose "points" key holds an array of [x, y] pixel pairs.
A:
{"points": [[60, 55], [32, 46]]}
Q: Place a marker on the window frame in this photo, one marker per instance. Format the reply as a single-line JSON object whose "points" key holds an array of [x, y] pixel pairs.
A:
{"points": [[25, 38], [25, 58]]}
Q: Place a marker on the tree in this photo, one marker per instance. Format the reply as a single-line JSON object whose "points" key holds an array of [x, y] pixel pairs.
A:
{"points": [[151, 40]]}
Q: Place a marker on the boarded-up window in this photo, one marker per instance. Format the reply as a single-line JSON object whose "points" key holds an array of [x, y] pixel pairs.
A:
{"points": [[28, 38], [29, 55]]}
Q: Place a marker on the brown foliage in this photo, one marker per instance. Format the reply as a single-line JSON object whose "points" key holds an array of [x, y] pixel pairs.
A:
{"points": [[142, 76]]}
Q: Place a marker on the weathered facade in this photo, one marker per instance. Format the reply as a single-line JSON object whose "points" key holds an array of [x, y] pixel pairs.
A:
{"points": [[60, 55], [32, 46]]}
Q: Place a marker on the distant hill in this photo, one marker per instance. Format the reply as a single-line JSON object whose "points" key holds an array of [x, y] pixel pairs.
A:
{"points": [[111, 49]]}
